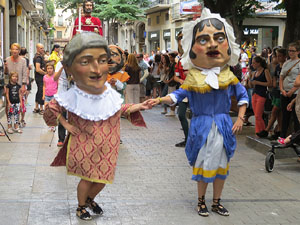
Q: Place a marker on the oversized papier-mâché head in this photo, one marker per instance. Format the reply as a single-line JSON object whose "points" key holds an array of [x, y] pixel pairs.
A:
{"points": [[86, 60], [116, 61], [209, 42]]}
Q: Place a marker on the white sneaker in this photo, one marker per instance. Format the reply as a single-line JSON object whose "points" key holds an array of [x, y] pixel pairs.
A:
{"points": [[171, 113]]}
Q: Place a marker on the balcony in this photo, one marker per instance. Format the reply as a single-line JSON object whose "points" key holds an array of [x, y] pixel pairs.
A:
{"points": [[157, 6], [28, 5]]}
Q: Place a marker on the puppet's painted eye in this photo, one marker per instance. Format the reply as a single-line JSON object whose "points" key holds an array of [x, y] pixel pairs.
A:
{"points": [[84, 62], [202, 41], [221, 39], [113, 54], [102, 60]]}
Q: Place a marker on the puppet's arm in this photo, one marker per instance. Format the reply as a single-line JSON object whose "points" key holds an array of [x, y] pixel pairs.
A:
{"points": [[52, 113], [132, 113]]}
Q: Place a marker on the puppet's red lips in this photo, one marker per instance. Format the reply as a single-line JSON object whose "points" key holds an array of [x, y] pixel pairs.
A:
{"points": [[213, 54]]}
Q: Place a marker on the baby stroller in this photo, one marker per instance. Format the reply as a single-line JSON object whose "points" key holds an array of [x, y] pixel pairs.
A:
{"points": [[294, 144]]}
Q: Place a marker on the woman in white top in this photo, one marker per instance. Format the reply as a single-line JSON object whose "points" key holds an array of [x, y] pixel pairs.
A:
{"points": [[155, 73], [289, 72]]}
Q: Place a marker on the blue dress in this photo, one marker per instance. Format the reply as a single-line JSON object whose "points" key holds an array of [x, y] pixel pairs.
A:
{"points": [[211, 117]]}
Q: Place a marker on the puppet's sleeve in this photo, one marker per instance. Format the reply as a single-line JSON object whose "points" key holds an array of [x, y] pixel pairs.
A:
{"points": [[75, 26], [178, 95], [241, 94], [135, 118], [52, 113]]}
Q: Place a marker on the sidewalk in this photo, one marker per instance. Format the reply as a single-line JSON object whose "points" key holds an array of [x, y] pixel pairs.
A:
{"points": [[152, 185]]}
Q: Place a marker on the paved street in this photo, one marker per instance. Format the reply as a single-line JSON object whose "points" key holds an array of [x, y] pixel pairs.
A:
{"points": [[152, 185]]}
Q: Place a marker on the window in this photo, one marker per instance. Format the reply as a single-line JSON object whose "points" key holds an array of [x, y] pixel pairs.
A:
{"points": [[167, 16], [157, 19], [60, 21], [58, 34], [149, 21]]}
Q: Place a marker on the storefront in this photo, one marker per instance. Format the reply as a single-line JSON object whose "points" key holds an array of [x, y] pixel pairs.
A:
{"points": [[261, 37], [167, 39], [153, 39]]}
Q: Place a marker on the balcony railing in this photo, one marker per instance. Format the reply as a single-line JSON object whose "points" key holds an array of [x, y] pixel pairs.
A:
{"points": [[159, 2]]}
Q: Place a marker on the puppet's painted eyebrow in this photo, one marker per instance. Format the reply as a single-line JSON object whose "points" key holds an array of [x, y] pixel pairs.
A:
{"points": [[92, 56], [202, 36], [219, 34]]}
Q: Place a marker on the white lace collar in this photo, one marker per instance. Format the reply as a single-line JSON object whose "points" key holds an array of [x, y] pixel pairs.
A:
{"points": [[88, 106]]}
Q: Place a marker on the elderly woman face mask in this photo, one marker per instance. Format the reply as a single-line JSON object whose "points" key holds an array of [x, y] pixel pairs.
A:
{"points": [[89, 70], [210, 48]]}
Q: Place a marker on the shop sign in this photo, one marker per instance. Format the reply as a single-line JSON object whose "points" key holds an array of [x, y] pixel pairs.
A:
{"points": [[250, 31], [153, 35], [167, 34]]}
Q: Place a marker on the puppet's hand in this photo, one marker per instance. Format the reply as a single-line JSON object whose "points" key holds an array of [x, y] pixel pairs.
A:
{"points": [[112, 81], [72, 129], [237, 126], [153, 101], [145, 105]]}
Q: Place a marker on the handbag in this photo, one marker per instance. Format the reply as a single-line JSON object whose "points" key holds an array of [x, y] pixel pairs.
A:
{"points": [[268, 103]]}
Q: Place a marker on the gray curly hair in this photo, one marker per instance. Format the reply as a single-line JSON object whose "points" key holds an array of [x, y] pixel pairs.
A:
{"points": [[81, 42]]}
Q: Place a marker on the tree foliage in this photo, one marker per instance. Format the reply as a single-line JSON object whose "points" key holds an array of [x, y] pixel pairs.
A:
{"points": [[118, 10], [292, 24], [235, 10], [50, 8]]}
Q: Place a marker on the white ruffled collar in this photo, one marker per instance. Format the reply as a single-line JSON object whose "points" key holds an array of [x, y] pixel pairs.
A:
{"points": [[88, 106]]}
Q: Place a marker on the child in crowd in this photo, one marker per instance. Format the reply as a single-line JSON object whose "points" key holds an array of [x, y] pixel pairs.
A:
{"points": [[14, 102], [50, 85]]}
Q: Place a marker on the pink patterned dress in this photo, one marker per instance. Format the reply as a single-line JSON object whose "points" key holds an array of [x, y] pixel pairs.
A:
{"points": [[92, 154]]}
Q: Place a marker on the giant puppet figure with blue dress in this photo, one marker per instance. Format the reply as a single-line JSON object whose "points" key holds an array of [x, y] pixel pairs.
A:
{"points": [[209, 49]]}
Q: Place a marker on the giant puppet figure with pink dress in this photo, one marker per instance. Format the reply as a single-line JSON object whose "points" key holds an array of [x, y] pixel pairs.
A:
{"points": [[94, 108], [87, 21], [209, 49]]}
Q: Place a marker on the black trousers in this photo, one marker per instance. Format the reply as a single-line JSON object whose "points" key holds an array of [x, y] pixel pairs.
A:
{"points": [[39, 94], [182, 107], [288, 115], [61, 129]]}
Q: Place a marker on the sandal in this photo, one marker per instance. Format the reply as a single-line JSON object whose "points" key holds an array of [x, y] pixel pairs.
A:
{"points": [[82, 213], [202, 209], [23, 123], [218, 208], [41, 112], [36, 110], [18, 130], [10, 131], [94, 206]]}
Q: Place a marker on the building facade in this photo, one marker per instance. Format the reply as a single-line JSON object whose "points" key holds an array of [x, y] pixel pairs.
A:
{"points": [[63, 26]]}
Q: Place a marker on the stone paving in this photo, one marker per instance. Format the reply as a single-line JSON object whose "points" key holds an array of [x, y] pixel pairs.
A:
{"points": [[152, 186]]}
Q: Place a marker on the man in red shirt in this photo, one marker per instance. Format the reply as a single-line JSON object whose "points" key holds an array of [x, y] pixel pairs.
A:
{"points": [[88, 23]]}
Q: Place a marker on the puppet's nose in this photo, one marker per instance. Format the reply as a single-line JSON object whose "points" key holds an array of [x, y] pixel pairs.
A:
{"points": [[95, 67], [213, 44]]}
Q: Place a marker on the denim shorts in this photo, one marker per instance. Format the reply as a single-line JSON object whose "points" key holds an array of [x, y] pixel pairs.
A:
{"points": [[48, 98]]}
